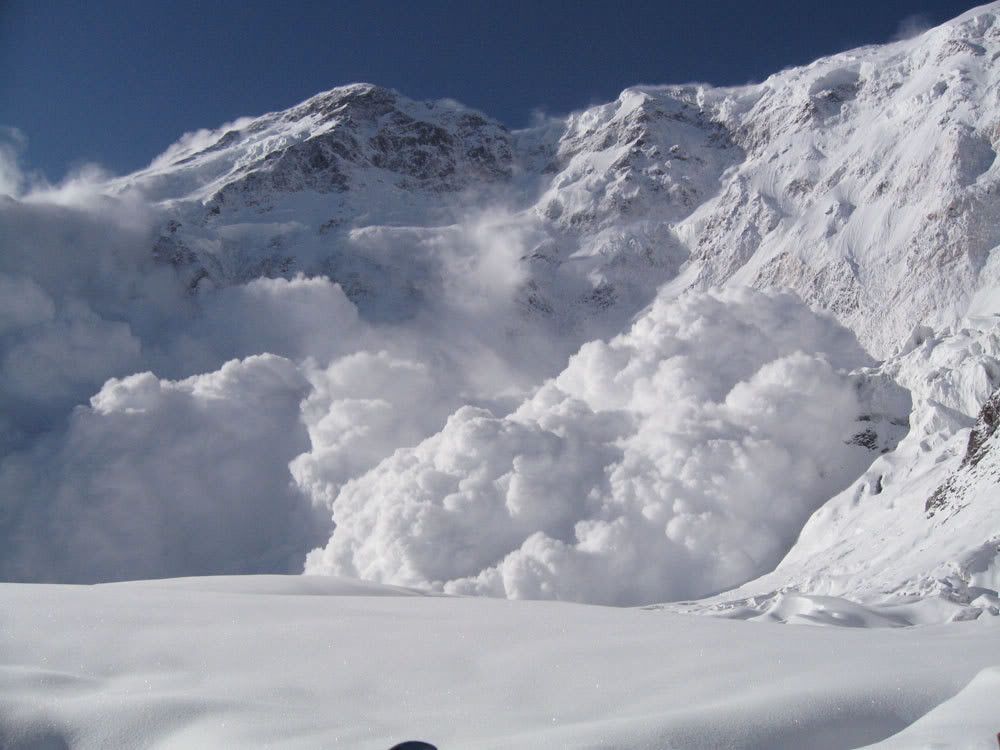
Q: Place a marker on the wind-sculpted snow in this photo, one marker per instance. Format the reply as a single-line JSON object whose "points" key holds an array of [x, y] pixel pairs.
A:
{"points": [[670, 462]]}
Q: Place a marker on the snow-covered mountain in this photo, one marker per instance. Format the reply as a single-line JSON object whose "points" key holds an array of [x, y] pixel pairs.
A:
{"points": [[867, 182], [466, 264]]}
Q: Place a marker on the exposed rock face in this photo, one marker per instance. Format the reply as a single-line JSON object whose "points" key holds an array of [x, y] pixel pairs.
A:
{"points": [[983, 432], [980, 465]]}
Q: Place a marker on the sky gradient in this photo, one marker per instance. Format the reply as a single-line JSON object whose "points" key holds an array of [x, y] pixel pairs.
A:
{"points": [[116, 82]]}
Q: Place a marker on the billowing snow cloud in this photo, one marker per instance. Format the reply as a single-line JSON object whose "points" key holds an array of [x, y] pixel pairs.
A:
{"points": [[252, 404], [361, 408], [77, 298], [148, 428], [678, 459], [164, 478]]}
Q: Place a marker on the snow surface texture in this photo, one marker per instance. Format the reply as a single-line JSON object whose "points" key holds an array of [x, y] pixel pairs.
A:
{"points": [[179, 664], [296, 321]]}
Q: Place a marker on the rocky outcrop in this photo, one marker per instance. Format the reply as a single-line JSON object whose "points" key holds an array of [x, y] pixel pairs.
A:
{"points": [[980, 466]]}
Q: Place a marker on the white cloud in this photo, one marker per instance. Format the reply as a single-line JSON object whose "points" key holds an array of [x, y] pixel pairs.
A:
{"points": [[164, 478], [298, 318], [120, 487], [23, 303], [361, 408], [677, 459]]}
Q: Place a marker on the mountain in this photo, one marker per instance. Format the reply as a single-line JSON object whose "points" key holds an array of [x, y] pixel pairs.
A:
{"points": [[867, 182], [704, 354], [854, 435]]}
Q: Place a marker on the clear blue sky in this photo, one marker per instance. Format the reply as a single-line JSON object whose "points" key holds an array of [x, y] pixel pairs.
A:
{"points": [[116, 81]]}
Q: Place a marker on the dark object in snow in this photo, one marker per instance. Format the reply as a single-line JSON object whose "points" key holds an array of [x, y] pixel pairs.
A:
{"points": [[413, 745], [987, 425]]}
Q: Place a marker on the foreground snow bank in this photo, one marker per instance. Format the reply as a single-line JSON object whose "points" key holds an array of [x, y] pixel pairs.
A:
{"points": [[971, 714], [304, 663]]}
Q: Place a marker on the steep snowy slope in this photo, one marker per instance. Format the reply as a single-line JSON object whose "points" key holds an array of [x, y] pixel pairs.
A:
{"points": [[867, 182], [917, 537], [379, 193], [328, 187], [346, 140], [871, 185]]}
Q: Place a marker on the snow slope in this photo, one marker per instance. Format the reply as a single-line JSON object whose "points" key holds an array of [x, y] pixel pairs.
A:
{"points": [[304, 663], [870, 185], [866, 181], [970, 713]]}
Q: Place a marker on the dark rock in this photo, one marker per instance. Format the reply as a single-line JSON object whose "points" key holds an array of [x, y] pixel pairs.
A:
{"points": [[986, 427], [867, 438]]}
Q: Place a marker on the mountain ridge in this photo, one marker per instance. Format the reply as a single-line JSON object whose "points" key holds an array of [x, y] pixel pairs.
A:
{"points": [[784, 183]]}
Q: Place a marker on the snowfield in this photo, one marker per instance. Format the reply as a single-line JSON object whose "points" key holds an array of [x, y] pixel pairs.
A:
{"points": [[304, 662]]}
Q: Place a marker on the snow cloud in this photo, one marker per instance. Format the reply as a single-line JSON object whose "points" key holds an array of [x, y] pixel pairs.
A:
{"points": [[150, 427], [675, 460], [12, 143], [164, 478], [912, 26]]}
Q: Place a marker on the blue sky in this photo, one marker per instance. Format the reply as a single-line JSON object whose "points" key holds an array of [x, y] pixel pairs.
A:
{"points": [[115, 82]]}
